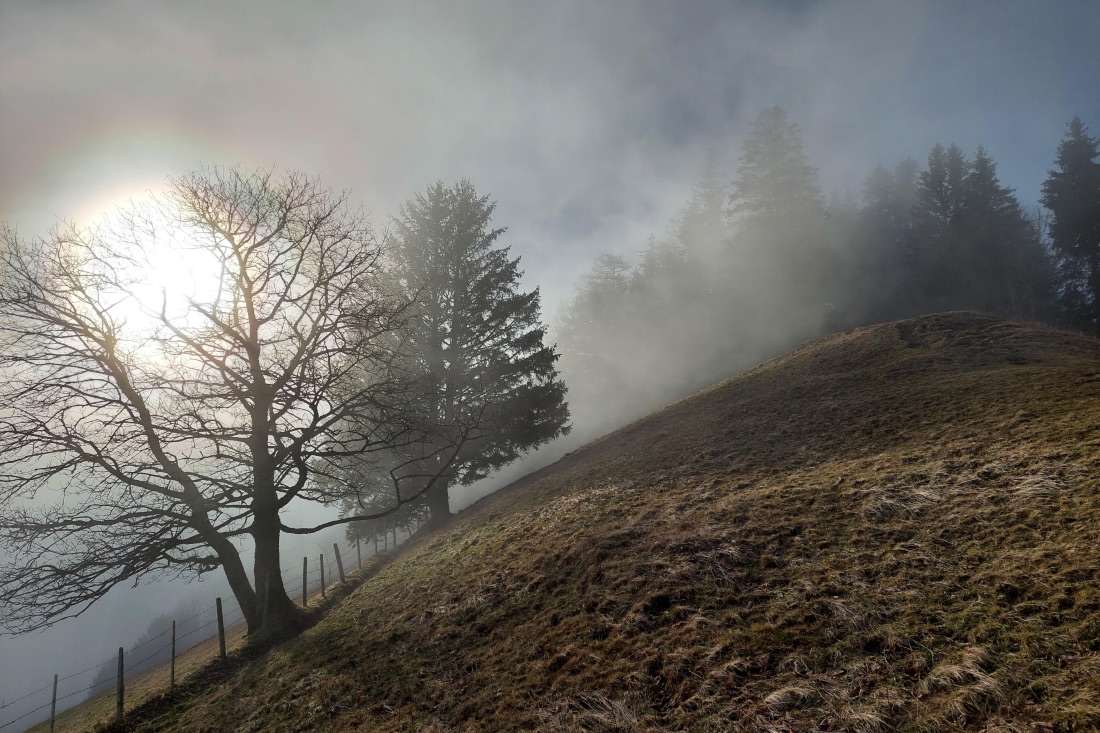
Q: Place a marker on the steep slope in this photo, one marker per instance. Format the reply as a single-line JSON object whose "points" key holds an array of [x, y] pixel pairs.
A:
{"points": [[892, 529]]}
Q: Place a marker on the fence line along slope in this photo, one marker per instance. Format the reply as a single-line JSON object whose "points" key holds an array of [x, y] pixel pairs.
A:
{"points": [[896, 528], [84, 700]]}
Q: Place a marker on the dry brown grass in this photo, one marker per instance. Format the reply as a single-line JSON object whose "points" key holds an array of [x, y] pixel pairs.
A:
{"points": [[101, 708], [193, 665], [895, 529]]}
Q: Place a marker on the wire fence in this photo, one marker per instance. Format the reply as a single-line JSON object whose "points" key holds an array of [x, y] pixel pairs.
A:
{"points": [[154, 664]]}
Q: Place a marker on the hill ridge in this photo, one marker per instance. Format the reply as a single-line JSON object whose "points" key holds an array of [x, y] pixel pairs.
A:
{"points": [[894, 528]]}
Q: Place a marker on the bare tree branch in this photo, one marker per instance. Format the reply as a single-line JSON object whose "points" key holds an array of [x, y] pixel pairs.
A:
{"points": [[142, 434]]}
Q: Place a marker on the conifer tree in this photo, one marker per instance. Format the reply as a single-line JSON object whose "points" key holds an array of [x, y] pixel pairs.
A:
{"points": [[973, 246], [773, 176], [1072, 194], [780, 254], [1006, 267], [701, 230], [596, 327], [881, 272], [935, 246], [476, 341]]}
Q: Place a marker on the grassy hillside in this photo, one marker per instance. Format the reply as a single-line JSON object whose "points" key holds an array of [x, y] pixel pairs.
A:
{"points": [[892, 529]]}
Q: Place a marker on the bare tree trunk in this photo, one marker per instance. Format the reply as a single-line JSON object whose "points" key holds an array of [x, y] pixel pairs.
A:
{"points": [[231, 566], [274, 614], [238, 581], [438, 503]]}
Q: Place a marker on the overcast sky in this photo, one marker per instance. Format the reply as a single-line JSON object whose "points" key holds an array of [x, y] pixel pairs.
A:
{"points": [[586, 121]]}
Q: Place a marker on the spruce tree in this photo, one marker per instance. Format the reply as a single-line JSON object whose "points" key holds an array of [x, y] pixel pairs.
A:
{"points": [[1072, 194], [596, 329], [973, 246], [938, 269], [781, 260], [701, 229], [877, 268], [475, 340], [1006, 265], [773, 176]]}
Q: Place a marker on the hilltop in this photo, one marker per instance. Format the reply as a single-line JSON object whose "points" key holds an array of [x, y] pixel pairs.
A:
{"points": [[896, 528]]}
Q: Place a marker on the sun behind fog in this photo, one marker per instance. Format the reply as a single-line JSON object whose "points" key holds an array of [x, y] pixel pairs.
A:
{"points": [[162, 274], [170, 280]]}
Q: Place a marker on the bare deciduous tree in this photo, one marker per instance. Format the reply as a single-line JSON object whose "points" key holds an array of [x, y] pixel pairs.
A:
{"points": [[129, 452]]}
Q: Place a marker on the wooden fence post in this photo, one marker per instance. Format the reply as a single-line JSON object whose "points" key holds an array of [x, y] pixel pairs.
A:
{"points": [[305, 568], [120, 687], [172, 673], [339, 562], [221, 628], [53, 704], [322, 563]]}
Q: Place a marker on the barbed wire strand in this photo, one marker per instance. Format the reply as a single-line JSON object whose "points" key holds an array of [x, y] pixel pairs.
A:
{"points": [[140, 662], [24, 697], [148, 641], [25, 715], [106, 661]]}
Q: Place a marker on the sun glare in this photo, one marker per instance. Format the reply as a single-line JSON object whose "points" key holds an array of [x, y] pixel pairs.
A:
{"points": [[171, 282], [163, 275]]}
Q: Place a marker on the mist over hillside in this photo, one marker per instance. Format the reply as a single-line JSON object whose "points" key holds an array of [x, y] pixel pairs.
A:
{"points": [[691, 189], [755, 265], [892, 529]]}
